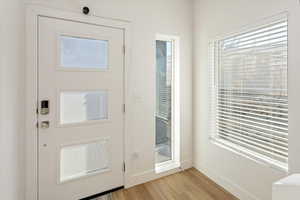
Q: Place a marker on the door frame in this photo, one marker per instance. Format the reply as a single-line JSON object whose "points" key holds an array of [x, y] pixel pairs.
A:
{"points": [[31, 83]]}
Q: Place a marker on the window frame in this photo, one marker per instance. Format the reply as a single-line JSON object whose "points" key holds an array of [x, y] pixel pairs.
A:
{"points": [[175, 107], [214, 78]]}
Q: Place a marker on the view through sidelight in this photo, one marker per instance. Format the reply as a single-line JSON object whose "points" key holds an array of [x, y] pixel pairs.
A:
{"points": [[163, 116]]}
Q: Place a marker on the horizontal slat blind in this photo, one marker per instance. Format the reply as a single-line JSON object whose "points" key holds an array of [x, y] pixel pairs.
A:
{"points": [[249, 90]]}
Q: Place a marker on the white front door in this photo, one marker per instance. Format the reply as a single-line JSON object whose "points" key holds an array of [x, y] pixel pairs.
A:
{"points": [[80, 94]]}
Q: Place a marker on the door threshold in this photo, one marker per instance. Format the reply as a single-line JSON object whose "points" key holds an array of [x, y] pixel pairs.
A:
{"points": [[102, 193]]}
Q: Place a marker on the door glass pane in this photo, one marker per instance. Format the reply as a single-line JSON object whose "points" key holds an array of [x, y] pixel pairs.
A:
{"points": [[76, 107], [164, 59], [80, 160], [83, 53]]}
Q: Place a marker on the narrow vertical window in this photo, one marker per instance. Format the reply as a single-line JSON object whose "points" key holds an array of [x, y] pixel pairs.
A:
{"points": [[166, 150]]}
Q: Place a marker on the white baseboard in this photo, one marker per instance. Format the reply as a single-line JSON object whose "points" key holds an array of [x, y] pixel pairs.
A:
{"points": [[150, 175], [228, 185], [186, 164]]}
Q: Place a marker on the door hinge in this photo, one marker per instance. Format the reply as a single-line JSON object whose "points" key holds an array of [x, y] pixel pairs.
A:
{"points": [[124, 49], [37, 124], [124, 167], [124, 108], [37, 111]]}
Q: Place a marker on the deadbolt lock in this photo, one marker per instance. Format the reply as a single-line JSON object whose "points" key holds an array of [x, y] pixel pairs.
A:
{"points": [[45, 107]]}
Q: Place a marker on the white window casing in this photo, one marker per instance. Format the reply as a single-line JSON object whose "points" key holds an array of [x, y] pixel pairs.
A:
{"points": [[249, 92]]}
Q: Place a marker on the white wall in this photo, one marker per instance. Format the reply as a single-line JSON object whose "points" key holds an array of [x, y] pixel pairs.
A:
{"points": [[11, 100], [243, 177], [148, 17]]}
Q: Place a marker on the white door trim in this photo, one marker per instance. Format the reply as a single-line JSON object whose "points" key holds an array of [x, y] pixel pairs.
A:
{"points": [[32, 14]]}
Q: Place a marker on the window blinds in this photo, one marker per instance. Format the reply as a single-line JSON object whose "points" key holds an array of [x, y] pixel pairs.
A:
{"points": [[250, 94]]}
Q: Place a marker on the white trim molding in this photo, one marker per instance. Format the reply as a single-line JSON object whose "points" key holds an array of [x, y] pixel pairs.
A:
{"points": [[175, 108], [151, 174], [228, 185], [148, 175]]}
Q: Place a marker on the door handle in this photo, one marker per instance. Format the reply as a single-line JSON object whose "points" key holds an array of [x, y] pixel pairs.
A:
{"points": [[45, 124]]}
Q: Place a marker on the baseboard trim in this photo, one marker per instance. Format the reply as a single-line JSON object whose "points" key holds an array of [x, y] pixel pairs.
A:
{"points": [[150, 174], [186, 164], [228, 185]]}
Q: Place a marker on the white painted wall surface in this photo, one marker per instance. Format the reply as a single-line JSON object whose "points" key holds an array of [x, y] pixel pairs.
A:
{"points": [[245, 178], [148, 17], [287, 188], [11, 100]]}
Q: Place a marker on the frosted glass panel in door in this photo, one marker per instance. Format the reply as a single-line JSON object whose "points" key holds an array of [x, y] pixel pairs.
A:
{"points": [[77, 107], [83, 53], [83, 159]]}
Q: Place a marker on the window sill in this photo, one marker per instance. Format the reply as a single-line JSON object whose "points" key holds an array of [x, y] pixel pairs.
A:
{"points": [[250, 155], [166, 166]]}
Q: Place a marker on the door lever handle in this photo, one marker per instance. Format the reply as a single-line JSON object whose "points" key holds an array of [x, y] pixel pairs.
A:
{"points": [[45, 124]]}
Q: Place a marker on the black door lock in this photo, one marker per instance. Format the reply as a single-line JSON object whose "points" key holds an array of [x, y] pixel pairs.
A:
{"points": [[44, 107]]}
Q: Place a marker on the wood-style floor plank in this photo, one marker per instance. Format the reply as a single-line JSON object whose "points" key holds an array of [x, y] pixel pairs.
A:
{"points": [[187, 185]]}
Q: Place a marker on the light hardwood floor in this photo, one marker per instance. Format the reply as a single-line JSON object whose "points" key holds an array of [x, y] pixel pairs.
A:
{"points": [[186, 185]]}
